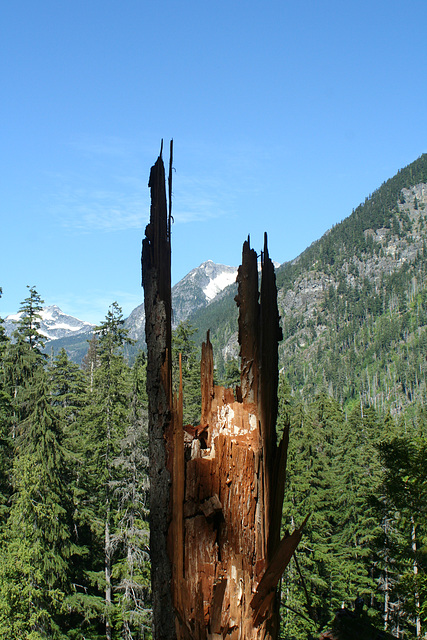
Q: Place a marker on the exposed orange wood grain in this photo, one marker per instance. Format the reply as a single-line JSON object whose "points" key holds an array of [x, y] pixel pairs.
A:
{"points": [[217, 488]]}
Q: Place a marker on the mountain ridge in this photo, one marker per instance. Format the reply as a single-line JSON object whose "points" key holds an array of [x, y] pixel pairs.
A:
{"points": [[335, 296], [54, 323], [194, 291]]}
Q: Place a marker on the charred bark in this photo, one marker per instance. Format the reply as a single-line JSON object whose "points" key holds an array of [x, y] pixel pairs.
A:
{"points": [[156, 280], [217, 489]]}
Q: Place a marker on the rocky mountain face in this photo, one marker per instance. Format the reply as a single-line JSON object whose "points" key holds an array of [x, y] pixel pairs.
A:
{"points": [[391, 247], [352, 315], [54, 324], [354, 304]]}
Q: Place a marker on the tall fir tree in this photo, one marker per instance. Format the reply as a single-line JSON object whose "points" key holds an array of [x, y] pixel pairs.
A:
{"points": [[105, 418], [332, 471], [37, 542], [5, 430], [404, 499], [68, 391], [131, 537], [30, 320], [23, 357]]}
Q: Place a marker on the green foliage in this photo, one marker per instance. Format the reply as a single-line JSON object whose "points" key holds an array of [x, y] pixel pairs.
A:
{"points": [[6, 414], [111, 499], [37, 542], [29, 324], [231, 377], [73, 489], [182, 343], [332, 471], [404, 503], [131, 537]]}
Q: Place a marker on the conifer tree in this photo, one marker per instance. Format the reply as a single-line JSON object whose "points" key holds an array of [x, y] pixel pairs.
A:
{"points": [[21, 359], [36, 543], [182, 343], [105, 421], [68, 392], [356, 470], [131, 537], [24, 357], [405, 500], [302, 583], [333, 470], [5, 422], [91, 361], [231, 373], [68, 387], [29, 323]]}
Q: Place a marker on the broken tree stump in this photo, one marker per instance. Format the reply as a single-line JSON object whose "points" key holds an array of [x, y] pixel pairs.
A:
{"points": [[216, 490]]}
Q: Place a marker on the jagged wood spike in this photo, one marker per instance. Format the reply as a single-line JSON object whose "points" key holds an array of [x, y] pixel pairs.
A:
{"points": [[249, 313], [280, 560], [216, 489], [270, 336], [156, 270]]}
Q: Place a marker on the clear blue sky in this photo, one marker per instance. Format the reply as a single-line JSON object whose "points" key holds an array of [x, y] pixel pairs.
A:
{"points": [[284, 115]]}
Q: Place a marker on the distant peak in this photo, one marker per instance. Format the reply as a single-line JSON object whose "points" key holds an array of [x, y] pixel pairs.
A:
{"points": [[52, 307]]}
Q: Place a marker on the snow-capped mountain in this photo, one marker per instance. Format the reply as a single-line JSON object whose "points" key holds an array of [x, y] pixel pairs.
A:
{"points": [[199, 287], [54, 323], [196, 290]]}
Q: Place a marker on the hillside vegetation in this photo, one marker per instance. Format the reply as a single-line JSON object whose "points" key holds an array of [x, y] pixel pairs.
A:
{"points": [[353, 304]]}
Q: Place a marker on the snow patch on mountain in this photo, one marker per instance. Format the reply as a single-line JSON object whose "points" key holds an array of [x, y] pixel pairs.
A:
{"points": [[195, 291], [54, 323], [217, 284]]}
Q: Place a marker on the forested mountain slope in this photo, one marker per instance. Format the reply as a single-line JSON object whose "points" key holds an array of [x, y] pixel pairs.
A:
{"points": [[353, 304], [195, 291]]}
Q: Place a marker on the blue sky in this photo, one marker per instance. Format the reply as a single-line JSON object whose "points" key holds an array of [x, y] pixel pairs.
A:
{"points": [[285, 116]]}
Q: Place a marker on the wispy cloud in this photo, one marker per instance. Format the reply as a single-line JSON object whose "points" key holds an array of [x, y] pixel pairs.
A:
{"points": [[125, 203], [107, 194], [200, 198], [94, 304], [118, 206], [103, 191], [195, 200]]}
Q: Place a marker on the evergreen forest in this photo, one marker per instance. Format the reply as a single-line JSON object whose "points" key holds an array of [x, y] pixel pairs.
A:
{"points": [[74, 495]]}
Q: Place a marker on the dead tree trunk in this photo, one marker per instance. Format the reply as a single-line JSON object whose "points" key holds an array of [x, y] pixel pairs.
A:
{"points": [[216, 490], [156, 280]]}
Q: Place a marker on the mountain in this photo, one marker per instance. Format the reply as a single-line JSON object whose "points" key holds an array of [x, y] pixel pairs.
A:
{"points": [[195, 291], [54, 324], [353, 304]]}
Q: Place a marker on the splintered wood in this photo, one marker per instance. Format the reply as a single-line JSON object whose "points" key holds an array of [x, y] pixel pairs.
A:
{"points": [[223, 506], [232, 473]]}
